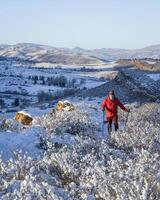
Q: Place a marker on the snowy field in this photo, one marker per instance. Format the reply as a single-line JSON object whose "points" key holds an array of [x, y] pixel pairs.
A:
{"points": [[27, 82], [151, 62], [155, 77], [49, 65]]}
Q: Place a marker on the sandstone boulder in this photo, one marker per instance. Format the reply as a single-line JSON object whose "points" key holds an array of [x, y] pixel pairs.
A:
{"points": [[59, 106], [24, 118], [65, 106]]}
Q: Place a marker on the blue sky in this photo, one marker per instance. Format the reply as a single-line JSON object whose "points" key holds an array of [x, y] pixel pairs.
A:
{"points": [[85, 23]]}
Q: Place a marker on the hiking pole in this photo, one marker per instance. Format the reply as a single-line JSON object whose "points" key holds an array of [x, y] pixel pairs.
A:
{"points": [[127, 118], [103, 124]]}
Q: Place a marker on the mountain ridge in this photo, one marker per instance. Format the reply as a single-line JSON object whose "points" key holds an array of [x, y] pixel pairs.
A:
{"points": [[77, 55]]}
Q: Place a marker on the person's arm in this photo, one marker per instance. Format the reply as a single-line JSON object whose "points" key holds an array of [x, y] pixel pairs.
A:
{"points": [[122, 106]]}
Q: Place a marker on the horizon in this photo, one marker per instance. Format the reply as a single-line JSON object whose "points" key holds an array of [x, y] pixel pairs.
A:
{"points": [[31, 43], [88, 24]]}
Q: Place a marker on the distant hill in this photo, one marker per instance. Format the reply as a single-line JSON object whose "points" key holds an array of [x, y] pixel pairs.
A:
{"points": [[75, 56]]}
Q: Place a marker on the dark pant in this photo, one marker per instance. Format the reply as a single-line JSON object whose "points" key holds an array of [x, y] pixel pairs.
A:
{"points": [[115, 121]]}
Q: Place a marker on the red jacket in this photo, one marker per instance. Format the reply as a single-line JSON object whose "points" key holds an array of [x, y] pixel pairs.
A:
{"points": [[111, 107]]}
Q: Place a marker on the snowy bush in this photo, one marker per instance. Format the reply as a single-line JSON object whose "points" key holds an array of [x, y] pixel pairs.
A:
{"points": [[91, 168], [62, 126], [142, 128], [22, 178], [10, 125]]}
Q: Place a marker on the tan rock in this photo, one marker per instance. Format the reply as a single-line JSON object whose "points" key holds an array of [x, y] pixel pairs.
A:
{"points": [[59, 106], [65, 106], [23, 118]]}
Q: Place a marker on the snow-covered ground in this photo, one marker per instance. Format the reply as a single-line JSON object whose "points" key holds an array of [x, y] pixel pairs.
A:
{"points": [[19, 81], [49, 65], [24, 141], [155, 77], [150, 62]]}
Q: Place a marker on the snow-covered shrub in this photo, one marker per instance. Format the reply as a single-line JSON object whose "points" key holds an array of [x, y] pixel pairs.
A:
{"points": [[89, 168], [92, 168], [22, 178], [63, 126], [142, 128], [126, 167], [10, 125]]}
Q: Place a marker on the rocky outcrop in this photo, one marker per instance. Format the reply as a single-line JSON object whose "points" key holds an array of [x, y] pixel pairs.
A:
{"points": [[142, 64], [23, 118], [65, 106], [136, 88]]}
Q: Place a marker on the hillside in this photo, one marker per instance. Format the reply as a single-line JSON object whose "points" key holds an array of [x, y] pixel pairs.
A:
{"points": [[76, 56], [41, 53], [146, 64], [66, 161]]}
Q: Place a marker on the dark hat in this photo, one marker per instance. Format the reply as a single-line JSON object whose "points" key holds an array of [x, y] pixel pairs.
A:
{"points": [[111, 92]]}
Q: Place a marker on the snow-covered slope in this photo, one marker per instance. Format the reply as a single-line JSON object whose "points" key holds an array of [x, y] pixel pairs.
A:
{"points": [[78, 56], [42, 53], [68, 154]]}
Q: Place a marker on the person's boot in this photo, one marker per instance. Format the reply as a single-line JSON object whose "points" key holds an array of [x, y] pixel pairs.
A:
{"points": [[109, 132], [116, 127]]}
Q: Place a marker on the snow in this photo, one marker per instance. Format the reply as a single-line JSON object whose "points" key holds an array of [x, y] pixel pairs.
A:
{"points": [[155, 77], [15, 85], [150, 62], [15, 79], [62, 66], [24, 141], [92, 84], [24, 113]]}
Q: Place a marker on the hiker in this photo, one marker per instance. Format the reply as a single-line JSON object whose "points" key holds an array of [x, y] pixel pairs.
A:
{"points": [[110, 104]]}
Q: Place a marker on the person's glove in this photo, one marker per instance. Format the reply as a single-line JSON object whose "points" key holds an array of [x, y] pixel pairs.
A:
{"points": [[128, 110]]}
